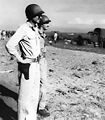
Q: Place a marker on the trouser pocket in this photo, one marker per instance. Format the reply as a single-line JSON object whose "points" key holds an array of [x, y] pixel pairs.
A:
{"points": [[24, 69]]}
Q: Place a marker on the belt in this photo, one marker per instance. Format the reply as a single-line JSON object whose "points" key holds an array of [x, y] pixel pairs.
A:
{"points": [[37, 59], [43, 55]]}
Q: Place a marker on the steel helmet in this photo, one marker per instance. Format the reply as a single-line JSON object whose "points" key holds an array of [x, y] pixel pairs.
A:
{"points": [[44, 19], [33, 10]]}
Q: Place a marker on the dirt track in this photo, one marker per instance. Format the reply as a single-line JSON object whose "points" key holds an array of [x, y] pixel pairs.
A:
{"points": [[76, 83]]}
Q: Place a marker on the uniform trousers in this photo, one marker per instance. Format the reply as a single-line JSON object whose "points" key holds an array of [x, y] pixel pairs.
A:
{"points": [[43, 83], [29, 94]]}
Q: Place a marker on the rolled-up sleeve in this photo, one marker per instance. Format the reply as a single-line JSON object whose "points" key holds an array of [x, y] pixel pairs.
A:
{"points": [[14, 40]]}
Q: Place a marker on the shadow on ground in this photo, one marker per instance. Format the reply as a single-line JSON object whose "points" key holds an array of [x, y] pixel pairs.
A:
{"points": [[7, 92], [6, 112]]}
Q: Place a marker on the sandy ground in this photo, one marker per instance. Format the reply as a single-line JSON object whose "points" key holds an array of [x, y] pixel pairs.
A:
{"points": [[76, 83]]}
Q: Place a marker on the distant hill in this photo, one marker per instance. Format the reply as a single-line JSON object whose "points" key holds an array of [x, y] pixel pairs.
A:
{"points": [[69, 29]]}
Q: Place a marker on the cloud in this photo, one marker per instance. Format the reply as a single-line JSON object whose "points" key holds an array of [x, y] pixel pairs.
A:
{"points": [[83, 6], [91, 21], [102, 21], [79, 20]]}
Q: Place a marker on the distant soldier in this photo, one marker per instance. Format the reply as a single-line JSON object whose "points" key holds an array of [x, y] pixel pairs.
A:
{"points": [[28, 39], [3, 34], [43, 25], [55, 37]]}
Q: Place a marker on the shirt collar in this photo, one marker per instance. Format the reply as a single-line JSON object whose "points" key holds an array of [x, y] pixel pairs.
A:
{"points": [[32, 26], [29, 24]]}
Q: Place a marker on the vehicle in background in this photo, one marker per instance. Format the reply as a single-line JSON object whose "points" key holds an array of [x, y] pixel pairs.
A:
{"points": [[99, 36]]}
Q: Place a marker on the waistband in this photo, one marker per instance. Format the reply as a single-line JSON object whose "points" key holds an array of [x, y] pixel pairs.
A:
{"points": [[43, 55], [37, 59]]}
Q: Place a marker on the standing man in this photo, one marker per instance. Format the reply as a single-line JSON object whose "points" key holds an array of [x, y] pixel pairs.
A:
{"points": [[43, 25], [28, 39], [3, 34], [55, 37]]}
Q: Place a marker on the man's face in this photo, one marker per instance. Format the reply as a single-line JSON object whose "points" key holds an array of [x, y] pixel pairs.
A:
{"points": [[45, 26], [36, 19]]}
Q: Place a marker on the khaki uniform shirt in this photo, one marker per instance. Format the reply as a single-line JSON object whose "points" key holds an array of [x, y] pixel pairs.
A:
{"points": [[28, 39]]}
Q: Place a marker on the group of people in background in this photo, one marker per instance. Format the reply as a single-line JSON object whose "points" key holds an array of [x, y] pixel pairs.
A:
{"points": [[4, 34], [32, 65]]}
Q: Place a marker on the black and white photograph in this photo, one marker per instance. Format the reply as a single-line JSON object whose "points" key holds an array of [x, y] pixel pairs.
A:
{"points": [[52, 59]]}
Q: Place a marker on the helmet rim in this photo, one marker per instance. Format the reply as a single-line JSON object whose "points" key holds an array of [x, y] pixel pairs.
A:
{"points": [[32, 11], [45, 20]]}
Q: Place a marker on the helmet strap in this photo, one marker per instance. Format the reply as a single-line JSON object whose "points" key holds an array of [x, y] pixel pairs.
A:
{"points": [[33, 23]]}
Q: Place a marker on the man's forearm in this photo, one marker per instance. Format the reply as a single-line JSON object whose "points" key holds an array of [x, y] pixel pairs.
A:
{"points": [[13, 51]]}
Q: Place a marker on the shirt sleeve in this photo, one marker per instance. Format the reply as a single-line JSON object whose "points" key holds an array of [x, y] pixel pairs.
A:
{"points": [[14, 40]]}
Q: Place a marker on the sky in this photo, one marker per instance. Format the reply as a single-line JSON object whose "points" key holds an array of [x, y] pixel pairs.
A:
{"points": [[65, 15]]}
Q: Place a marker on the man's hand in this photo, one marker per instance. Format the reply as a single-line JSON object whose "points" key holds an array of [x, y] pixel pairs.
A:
{"points": [[21, 60], [25, 60]]}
